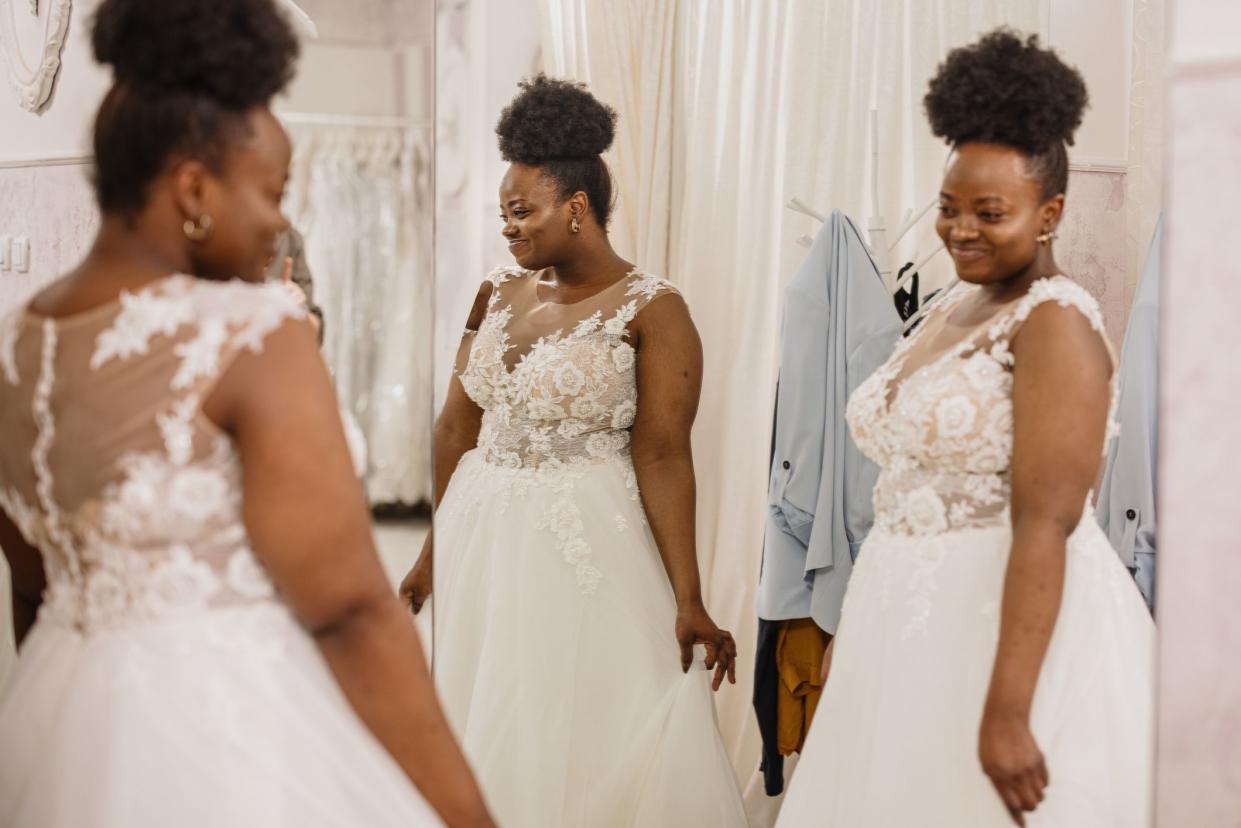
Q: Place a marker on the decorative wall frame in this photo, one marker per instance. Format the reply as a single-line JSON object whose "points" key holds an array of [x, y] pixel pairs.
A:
{"points": [[33, 85]]}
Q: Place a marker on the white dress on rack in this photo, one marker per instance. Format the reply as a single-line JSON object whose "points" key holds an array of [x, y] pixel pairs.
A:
{"points": [[895, 736], [165, 682], [554, 617]]}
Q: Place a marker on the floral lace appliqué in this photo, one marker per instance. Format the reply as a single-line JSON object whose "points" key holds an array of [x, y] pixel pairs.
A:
{"points": [[943, 435]]}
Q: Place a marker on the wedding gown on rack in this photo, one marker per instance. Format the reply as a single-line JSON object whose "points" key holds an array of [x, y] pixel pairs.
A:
{"points": [[554, 618], [895, 737], [165, 683]]}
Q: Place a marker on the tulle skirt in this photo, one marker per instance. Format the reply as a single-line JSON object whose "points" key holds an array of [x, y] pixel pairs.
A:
{"points": [[895, 737], [556, 660], [222, 717]]}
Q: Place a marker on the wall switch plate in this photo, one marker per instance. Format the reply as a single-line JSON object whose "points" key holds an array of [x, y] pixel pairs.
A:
{"points": [[21, 254], [5, 242]]}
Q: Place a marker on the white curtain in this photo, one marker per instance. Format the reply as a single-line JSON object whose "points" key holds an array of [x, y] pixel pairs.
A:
{"points": [[361, 198], [1144, 176], [769, 101]]}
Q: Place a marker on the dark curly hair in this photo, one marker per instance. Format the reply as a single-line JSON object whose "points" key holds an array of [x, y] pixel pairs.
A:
{"points": [[185, 73], [559, 126], [1006, 90]]}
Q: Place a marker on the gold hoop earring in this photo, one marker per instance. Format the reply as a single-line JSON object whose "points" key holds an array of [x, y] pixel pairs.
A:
{"points": [[198, 230], [1046, 238], [575, 226]]}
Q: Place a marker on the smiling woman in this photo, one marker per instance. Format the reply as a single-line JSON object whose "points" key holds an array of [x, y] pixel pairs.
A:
{"points": [[994, 656], [569, 618]]}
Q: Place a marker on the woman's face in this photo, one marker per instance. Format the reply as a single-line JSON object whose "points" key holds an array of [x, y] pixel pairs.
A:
{"points": [[536, 218], [244, 203], [991, 212]]}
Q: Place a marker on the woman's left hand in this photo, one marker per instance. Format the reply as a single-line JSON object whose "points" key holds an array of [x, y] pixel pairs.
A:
{"points": [[1013, 762], [694, 626]]}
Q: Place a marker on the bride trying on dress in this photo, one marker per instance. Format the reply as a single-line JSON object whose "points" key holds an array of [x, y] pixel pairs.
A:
{"points": [[994, 660], [567, 600]]}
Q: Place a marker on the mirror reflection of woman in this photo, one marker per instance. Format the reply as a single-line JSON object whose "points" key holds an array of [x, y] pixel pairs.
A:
{"points": [[994, 660], [567, 600], [207, 635]]}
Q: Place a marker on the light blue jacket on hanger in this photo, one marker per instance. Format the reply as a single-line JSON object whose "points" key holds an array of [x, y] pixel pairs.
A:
{"points": [[1126, 507], [840, 325]]}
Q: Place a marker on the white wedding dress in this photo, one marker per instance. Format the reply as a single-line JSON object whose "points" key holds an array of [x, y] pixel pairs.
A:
{"points": [[165, 683], [895, 737], [554, 648]]}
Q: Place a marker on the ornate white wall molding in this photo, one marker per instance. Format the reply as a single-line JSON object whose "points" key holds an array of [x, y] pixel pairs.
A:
{"points": [[33, 84]]}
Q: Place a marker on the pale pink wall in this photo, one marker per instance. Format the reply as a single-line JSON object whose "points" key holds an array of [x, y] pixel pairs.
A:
{"points": [[1199, 742]]}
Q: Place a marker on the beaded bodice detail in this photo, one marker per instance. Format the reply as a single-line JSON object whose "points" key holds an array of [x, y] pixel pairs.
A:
{"points": [[942, 434]]}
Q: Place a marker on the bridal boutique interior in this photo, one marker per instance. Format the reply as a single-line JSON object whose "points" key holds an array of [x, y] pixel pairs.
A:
{"points": [[745, 133], [741, 128], [359, 113]]}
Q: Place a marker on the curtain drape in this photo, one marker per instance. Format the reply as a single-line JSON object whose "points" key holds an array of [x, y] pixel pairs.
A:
{"points": [[361, 198], [769, 101], [1144, 177]]}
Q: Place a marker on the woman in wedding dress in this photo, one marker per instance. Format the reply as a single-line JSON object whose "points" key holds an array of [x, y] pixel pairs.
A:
{"points": [[567, 600], [994, 661], [208, 638]]}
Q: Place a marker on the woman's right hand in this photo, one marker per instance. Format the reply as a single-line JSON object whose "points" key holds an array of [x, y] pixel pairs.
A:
{"points": [[827, 661], [416, 587]]}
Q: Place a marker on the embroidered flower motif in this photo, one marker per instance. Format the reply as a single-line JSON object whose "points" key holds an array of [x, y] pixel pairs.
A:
{"points": [[622, 524], [599, 445], [925, 512], [544, 410], [181, 582], [196, 494], [623, 357], [585, 408], [955, 417], [614, 326], [623, 416], [569, 379], [982, 372]]}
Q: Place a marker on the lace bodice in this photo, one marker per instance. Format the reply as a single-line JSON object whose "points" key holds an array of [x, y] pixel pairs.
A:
{"points": [[557, 383], [107, 463], [942, 433]]}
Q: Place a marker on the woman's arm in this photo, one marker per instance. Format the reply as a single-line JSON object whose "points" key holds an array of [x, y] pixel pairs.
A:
{"points": [[1060, 403], [669, 367], [456, 432], [308, 521], [25, 574]]}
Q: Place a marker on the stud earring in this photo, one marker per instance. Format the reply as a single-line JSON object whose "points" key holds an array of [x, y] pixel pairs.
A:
{"points": [[575, 226], [1046, 238], [198, 230]]}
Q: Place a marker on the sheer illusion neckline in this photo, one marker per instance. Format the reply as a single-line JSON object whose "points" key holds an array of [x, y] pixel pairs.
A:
{"points": [[940, 316], [537, 280], [30, 316]]}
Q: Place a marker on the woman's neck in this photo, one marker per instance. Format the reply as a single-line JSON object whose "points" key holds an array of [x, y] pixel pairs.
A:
{"points": [[1043, 267], [596, 262]]}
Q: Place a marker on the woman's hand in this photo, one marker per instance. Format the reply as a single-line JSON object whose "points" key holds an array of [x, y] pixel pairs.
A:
{"points": [[416, 586], [1012, 761], [694, 626]]}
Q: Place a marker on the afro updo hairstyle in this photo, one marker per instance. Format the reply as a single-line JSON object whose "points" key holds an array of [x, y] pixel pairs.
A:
{"points": [[559, 126], [185, 73], [1005, 90]]}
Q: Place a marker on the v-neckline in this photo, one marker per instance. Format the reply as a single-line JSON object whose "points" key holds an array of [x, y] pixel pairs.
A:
{"points": [[895, 382]]}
